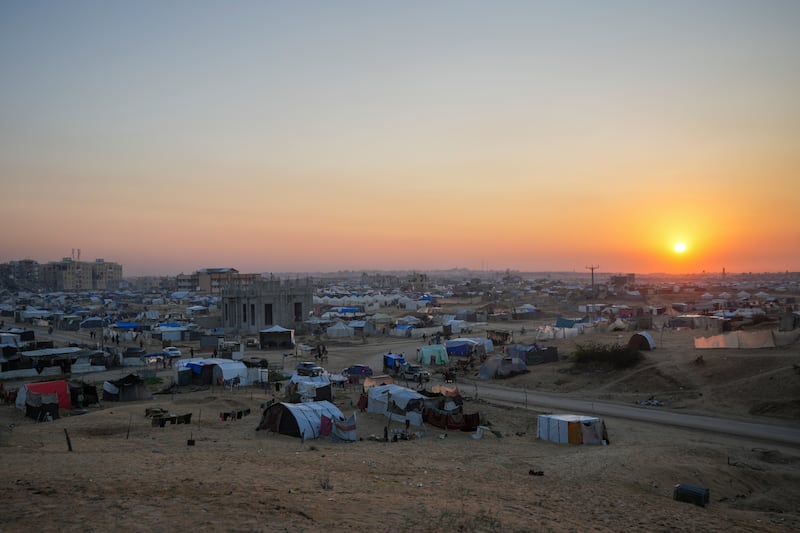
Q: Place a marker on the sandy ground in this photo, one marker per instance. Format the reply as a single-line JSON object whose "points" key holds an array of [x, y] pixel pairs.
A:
{"points": [[122, 473]]}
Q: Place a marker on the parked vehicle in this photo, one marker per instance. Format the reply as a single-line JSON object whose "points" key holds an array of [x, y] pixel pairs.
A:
{"points": [[416, 373], [308, 368], [171, 351], [357, 370]]}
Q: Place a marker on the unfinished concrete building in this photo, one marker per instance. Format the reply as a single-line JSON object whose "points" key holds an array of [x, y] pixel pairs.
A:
{"points": [[265, 303]]}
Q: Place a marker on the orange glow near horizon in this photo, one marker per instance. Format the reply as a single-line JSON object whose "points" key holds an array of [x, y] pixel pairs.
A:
{"points": [[392, 141]]}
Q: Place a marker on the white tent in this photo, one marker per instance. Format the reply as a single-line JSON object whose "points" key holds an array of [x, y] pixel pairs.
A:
{"points": [[572, 429], [397, 403], [220, 369], [339, 330], [302, 420]]}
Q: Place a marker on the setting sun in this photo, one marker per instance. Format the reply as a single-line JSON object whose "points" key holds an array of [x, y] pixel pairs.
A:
{"points": [[679, 247]]}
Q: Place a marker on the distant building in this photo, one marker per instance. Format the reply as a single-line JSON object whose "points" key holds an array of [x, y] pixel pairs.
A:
{"points": [[214, 280], [22, 274], [71, 275], [622, 282], [264, 303]]}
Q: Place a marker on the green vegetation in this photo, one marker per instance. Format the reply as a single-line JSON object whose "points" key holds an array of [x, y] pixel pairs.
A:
{"points": [[606, 355]]}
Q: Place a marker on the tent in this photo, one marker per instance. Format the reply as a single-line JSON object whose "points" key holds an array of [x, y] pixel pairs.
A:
{"points": [[276, 337], [308, 388], [83, 394], [128, 389], [339, 430], [464, 347], [397, 403], [60, 388], [444, 408], [339, 330], [532, 354], [642, 341], [41, 407], [499, 366], [302, 420], [212, 371], [93, 323], [746, 339], [570, 322], [433, 354], [572, 429], [375, 381]]}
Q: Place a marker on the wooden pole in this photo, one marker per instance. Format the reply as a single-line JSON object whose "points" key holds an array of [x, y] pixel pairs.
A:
{"points": [[69, 442]]}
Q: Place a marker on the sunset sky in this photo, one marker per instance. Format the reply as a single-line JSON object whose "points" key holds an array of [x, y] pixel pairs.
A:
{"points": [[328, 135]]}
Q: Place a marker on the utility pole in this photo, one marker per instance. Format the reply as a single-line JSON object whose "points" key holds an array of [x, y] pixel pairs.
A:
{"points": [[593, 268]]}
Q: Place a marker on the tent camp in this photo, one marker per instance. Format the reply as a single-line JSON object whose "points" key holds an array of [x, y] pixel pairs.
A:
{"points": [[397, 403], [642, 341], [128, 389], [572, 429], [433, 354], [302, 420]]}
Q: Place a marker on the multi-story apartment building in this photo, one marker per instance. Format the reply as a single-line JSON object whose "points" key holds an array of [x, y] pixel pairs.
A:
{"points": [[214, 280], [71, 275]]}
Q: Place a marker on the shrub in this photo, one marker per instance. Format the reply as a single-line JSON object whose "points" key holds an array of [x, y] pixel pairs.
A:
{"points": [[606, 355]]}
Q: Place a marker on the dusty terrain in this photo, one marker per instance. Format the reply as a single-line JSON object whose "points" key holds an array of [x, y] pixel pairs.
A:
{"points": [[124, 473]]}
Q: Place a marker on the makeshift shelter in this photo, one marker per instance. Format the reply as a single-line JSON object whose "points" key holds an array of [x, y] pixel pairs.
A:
{"points": [[562, 322], [339, 330], [302, 420], [59, 388], [444, 408], [128, 389], [433, 354], [308, 388], [532, 354], [642, 341], [83, 394], [466, 347], [339, 430], [375, 381], [211, 371], [499, 366], [572, 429], [276, 337], [747, 339], [41, 407], [397, 403]]}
